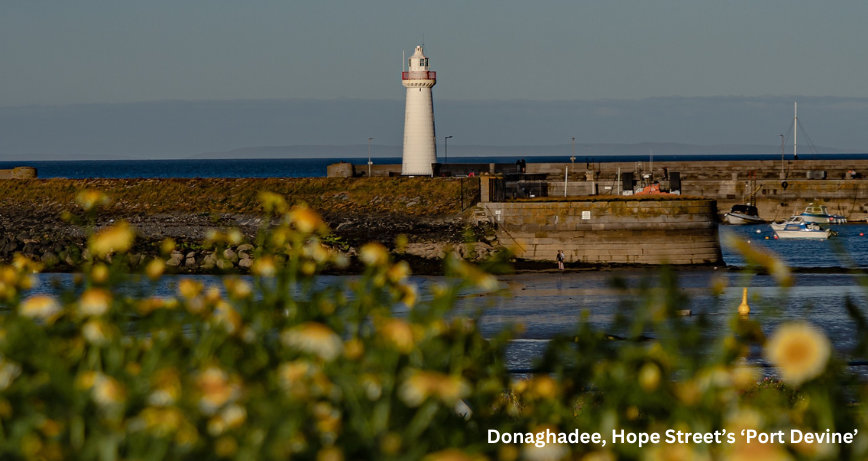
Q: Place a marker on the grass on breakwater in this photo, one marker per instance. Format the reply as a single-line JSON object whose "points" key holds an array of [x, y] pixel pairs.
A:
{"points": [[410, 196]]}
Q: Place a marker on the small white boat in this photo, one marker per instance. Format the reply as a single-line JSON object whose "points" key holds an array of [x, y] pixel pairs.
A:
{"points": [[799, 229], [795, 219], [820, 214], [743, 214]]}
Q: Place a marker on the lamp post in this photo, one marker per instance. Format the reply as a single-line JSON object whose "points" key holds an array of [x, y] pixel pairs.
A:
{"points": [[369, 156], [446, 149], [573, 158]]}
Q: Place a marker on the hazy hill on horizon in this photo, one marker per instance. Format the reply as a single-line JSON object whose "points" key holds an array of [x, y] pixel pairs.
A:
{"points": [[456, 152], [341, 127]]}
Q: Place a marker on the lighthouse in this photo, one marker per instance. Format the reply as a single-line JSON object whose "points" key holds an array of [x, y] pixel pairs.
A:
{"points": [[420, 149]]}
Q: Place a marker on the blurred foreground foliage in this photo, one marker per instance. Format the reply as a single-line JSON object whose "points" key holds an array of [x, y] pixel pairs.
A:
{"points": [[287, 366]]}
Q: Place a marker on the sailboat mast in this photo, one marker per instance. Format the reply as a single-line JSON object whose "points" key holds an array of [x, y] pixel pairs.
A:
{"points": [[795, 129]]}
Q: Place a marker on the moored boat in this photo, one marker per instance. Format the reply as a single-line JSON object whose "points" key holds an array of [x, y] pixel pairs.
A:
{"points": [[743, 214], [818, 213], [799, 229]]}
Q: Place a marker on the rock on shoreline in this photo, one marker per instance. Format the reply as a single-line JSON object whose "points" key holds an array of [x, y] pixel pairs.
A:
{"points": [[41, 235]]}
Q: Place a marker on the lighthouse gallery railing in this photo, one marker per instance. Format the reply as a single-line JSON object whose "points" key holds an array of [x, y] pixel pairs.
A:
{"points": [[418, 75]]}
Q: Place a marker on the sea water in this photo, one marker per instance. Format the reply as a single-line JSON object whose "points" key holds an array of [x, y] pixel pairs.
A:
{"points": [[316, 167], [551, 303]]}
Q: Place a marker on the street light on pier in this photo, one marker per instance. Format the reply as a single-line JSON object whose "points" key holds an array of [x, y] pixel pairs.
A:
{"points": [[369, 156], [446, 149], [573, 158]]}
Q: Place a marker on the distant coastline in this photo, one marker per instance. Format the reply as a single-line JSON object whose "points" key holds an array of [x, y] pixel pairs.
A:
{"points": [[457, 152], [315, 167]]}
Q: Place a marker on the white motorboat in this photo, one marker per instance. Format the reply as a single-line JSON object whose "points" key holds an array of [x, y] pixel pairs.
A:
{"points": [[796, 219], [743, 214], [820, 214], [797, 228]]}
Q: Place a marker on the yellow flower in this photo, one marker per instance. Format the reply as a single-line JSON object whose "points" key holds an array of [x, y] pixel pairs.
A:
{"points": [[8, 372], [108, 391], [90, 198], [272, 202], [799, 350], [229, 418], [399, 334], [330, 454], [42, 307], [543, 387], [418, 387], [167, 388], [408, 295], [118, 238], [264, 267], [227, 316], [290, 374], [398, 271], [452, 388], [148, 305], [314, 338], [189, 288], [234, 236], [423, 384], [744, 377], [305, 219], [649, 377], [99, 273], [162, 421], [96, 332], [374, 254], [86, 380], [217, 389], [213, 295], [94, 302], [238, 288], [225, 447], [154, 269], [167, 246], [353, 349]]}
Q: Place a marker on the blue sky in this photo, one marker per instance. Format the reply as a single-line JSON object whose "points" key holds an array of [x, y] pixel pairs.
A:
{"points": [[58, 53]]}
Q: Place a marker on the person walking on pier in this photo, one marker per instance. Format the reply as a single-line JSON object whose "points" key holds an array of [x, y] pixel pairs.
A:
{"points": [[561, 259]]}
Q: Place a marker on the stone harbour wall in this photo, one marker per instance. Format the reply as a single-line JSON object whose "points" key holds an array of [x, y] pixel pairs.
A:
{"points": [[681, 231], [21, 172]]}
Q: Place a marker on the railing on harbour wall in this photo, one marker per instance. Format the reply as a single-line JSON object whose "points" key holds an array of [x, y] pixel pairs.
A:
{"points": [[501, 190]]}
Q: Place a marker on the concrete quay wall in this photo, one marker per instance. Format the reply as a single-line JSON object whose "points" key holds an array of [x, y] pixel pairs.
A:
{"points": [[21, 172], [848, 198], [690, 170], [619, 230], [707, 170]]}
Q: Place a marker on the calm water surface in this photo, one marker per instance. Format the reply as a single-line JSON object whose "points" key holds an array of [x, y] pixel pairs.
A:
{"points": [[550, 304]]}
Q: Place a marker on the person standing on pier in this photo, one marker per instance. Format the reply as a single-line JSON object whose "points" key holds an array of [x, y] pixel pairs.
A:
{"points": [[561, 259]]}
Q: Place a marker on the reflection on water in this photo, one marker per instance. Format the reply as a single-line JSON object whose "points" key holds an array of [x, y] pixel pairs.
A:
{"points": [[551, 304]]}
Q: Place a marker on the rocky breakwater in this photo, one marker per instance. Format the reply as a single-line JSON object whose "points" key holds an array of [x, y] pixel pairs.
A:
{"points": [[419, 219]]}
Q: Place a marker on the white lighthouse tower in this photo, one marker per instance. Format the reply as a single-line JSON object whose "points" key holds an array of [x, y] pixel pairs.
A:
{"points": [[420, 148]]}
